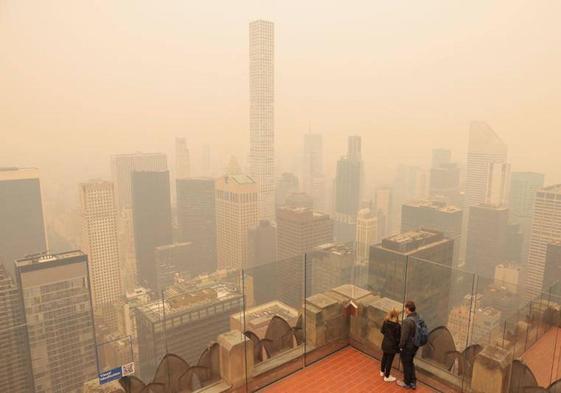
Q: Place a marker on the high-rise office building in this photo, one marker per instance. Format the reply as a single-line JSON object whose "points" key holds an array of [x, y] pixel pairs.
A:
{"points": [[22, 226], [523, 188], [262, 244], [152, 221], [15, 373], [416, 263], [196, 216], [470, 322], [411, 183], [286, 185], [366, 233], [182, 159], [498, 184], [100, 243], [546, 228], [196, 313], [444, 184], [172, 259], [125, 231], [261, 114], [487, 239], [440, 157], [383, 208], [485, 148], [299, 230], [348, 181], [438, 216], [329, 266], [552, 269], [59, 320], [313, 181], [122, 166], [299, 199], [236, 206]]}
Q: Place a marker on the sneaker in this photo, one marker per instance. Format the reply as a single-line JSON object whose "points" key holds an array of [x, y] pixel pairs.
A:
{"points": [[381, 373], [389, 379], [402, 384], [413, 386]]}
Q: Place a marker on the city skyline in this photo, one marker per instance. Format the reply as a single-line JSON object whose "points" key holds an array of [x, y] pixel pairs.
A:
{"points": [[324, 188]]}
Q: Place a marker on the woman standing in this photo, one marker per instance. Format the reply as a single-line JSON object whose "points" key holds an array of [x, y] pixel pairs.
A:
{"points": [[390, 344]]}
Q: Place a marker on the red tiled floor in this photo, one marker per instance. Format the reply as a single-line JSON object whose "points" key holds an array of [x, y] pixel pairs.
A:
{"points": [[543, 357], [346, 371]]}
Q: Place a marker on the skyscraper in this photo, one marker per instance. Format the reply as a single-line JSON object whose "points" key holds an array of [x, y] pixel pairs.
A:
{"points": [[15, 373], [313, 180], [175, 258], [22, 227], [301, 229], [261, 114], [546, 228], [433, 215], [411, 183], [440, 157], [366, 233], [152, 221], [182, 160], [348, 181], [100, 242], [383, 208], [286, 185], [487, 239], [485, 148], [196, 215], [58, 315], [329, 266], [498, 184], [523, 188], [236, 211], [552, 270], [262, 244], [416, 263], [122, 166]]}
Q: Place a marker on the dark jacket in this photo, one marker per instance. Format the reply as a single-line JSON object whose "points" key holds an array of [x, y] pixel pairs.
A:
{"points": [[408, 329], [392, 333]]}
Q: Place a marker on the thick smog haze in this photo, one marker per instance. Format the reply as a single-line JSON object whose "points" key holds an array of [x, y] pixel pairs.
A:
{"points": [[84, 80]]}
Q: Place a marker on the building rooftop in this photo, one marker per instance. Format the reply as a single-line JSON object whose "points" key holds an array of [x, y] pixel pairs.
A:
{"points": [[435, 205], [14, 173], [46, 257], [555, 188]]}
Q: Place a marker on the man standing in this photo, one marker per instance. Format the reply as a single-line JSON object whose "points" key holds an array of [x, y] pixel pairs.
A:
{"points": [[407, 346]]}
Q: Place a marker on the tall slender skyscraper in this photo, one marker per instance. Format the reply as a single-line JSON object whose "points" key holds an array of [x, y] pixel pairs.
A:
{"points": [[100, 243], [182, 160], [485, 148], [348, 181], [236, 211], [152, 221], [58, 315], [261, 114], [22, 227], [546, 228]]}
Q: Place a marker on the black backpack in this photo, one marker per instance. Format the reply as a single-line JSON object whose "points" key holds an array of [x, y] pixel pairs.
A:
{"points": [[421, 336]]}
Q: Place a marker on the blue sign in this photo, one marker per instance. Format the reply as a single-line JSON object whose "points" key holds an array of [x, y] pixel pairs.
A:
{"points": [[110, 375], [116, 373]]}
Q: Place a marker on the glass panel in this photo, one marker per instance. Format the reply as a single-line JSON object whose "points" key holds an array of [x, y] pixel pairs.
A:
{"points": [[330, 295], [196, 315], [443, 297], [273, 320]]}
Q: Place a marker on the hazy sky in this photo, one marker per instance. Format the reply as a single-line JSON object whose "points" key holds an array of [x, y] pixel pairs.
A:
{"points": [[80, 80]]}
